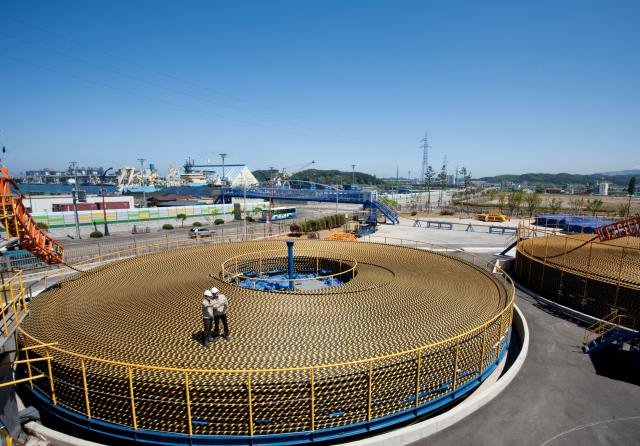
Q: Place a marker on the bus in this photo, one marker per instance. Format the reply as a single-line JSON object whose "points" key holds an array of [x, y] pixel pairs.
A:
{"points": [[280, 213]]}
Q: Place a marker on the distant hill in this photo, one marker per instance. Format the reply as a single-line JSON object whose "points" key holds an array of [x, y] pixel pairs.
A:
{"points": [[327, 177], [620, 172], [560, 179]]}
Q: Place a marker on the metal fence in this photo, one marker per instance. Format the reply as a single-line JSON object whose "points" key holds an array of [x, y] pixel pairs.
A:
{"points": [[577, 270], [270, 401]]}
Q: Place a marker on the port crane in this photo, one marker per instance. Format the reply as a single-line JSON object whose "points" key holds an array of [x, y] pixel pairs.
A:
{"points": [[18, 223], [285, 175], [278, 179]]}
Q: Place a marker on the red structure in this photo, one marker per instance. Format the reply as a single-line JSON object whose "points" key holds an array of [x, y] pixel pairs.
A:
{"points": [[18, 223], [620, 229]]}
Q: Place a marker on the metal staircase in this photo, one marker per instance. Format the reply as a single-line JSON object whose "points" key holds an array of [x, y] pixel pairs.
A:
{"points": [[387, 210], [608, 331]]}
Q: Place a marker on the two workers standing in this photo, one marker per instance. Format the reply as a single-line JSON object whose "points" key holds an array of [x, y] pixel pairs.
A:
{"points": [[214, 309]]}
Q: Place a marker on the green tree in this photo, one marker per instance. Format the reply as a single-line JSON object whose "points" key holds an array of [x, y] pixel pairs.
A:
{"points": [[594, 206], [428, 176], [514, 201], [632, 190], [442, 179], [502, 198], [493, 193], [576, 205], [541, 190], [532, 202], [181, 217], [466, 176], [555, 205]]}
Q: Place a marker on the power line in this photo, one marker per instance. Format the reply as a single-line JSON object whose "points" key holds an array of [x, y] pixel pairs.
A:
{"points": [[188, 82], [178, 105], [182, 93]]}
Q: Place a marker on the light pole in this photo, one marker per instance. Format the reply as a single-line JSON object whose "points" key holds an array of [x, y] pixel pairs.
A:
{"points": [[75, 197], [29, 190], [104, 208], [270, 202], [223, 156], [142, 160], [245, 206], [353, 177]]}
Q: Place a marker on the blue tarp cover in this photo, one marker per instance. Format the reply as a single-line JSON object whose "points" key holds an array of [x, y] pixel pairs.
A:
{"points": [[570, 223], [281, 281]]}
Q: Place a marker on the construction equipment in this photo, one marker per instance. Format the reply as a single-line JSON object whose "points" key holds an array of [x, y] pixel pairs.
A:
{"points": [[494, 216], [624, 228], [285, 175], [18, 223], [342, 236]]}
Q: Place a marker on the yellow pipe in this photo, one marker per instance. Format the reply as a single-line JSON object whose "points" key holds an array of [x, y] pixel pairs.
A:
{"points": [[86, 389]]}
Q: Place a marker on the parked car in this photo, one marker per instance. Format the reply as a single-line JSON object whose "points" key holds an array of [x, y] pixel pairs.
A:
{"points": [[11, 246], [200, 232]]}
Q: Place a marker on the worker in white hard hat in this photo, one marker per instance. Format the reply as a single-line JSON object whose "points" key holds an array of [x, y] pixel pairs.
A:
{"points": [[207, 316], [220, 314]]}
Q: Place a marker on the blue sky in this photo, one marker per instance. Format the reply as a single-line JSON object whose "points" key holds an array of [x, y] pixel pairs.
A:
{"points": [[501, 87]]}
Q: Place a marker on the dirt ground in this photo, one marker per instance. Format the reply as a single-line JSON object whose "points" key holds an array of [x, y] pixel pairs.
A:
{"points": [[610, 203]]}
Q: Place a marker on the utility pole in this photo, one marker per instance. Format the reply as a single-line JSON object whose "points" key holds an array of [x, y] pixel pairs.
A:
{"points": [[104, 208], [223, 156], [142, 160], [425, 156], [75, 197], [409, 179], [353, 178], [398, 178]]}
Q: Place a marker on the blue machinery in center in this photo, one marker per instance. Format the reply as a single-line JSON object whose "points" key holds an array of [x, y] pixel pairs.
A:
{"points": [[367, 198]]}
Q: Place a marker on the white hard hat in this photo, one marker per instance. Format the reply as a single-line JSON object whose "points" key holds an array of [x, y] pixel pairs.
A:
{"points": [[208, 293], [214, 290]]}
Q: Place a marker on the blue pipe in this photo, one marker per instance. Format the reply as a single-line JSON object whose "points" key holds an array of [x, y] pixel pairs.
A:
{"points": [[290, 246]]}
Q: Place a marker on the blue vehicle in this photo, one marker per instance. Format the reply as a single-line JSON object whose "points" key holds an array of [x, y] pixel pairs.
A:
{"points": [[280, 213]]}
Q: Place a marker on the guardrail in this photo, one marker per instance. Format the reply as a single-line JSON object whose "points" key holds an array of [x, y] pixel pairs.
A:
{"points": [[12, 299], [9, 440], [577, 270], [425, 376], [241, 262]]}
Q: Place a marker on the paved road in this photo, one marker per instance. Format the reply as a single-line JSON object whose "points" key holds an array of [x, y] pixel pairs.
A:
{"points": [[560, 397], [304, 213]]}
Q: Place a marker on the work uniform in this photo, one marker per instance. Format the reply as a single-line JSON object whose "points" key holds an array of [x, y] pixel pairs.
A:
{"points": [[207, 318], [220, 314]]}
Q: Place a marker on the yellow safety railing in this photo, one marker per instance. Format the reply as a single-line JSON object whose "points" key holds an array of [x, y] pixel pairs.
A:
{"points": [[483, 345], [12, 299], [149, 249], [611, 322], [541, 247], [9, 440], [240, 261]]}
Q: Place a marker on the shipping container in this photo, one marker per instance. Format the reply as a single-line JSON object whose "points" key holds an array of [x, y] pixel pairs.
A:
{"points": [[113, 205], [69, 207]]}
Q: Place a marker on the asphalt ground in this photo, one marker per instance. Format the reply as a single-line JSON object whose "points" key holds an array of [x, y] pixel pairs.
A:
{"points": [[561, 397]]}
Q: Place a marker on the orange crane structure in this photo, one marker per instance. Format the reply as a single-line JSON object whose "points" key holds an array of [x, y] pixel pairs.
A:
{"points": [[18, 223]]}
